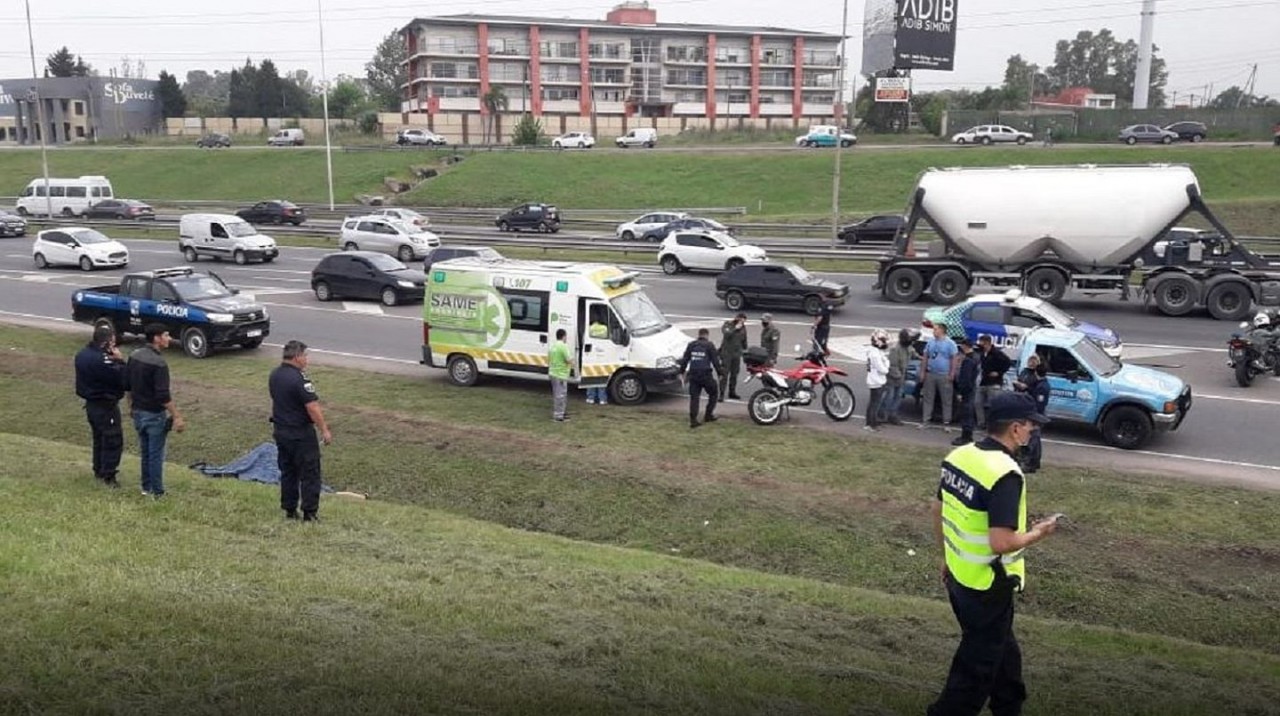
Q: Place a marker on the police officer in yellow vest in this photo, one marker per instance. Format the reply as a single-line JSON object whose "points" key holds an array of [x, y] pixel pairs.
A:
{"points": [[981, 524]]}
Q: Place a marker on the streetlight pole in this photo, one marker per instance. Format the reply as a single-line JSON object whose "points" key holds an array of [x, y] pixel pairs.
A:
{"points": [[34, 97], [324, 101], [839, 148]]}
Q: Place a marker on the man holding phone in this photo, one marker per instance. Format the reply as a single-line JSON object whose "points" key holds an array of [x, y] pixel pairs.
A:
{"points": [[980, 520], [151, 405], [100, 383]]}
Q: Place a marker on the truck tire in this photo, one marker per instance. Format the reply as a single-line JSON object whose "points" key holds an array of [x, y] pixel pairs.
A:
{"points": [[904, 285], [948, 286], [462, 370], [627, 388], [1176, 295], [195, 343], [1229, 301], [1126, 427], [1046, 284]]}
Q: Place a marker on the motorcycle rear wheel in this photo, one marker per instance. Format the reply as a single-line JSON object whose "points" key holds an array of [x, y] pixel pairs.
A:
{"points": [[1244, 374], [838, 401], [765, 406]]}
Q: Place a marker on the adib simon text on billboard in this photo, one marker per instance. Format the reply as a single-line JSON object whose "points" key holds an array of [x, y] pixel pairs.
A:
{"points": [[925, 36]]}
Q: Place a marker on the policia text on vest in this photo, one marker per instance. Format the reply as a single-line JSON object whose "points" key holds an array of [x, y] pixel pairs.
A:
{"points": [[981, 525]]}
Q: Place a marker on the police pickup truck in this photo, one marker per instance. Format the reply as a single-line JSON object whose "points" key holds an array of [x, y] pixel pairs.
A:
{"points": [[197, 307], [1127, 404]]}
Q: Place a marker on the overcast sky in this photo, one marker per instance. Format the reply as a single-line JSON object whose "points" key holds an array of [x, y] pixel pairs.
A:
{"points": [[1205, 42]]}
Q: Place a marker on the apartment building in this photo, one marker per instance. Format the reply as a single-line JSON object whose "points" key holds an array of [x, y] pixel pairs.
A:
{"points": [[628, 65]]}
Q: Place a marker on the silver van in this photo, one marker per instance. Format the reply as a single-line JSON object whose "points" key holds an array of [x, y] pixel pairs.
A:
{"points": [[292, 137], [639, 137]]}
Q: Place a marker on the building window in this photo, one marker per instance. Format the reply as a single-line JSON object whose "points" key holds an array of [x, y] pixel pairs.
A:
{"points": [[608, 76], [733, 55], [609, 95], [687, 53], [607, 51], [559, 73], [644, 50], [691, 96], [818, 98], [686, 77], [558, 49], [503, 46], [777, 56], [455, 91], [819, 79], [554, 94], [78, 108], [775, 78], [738, 97], [79, 132], [454, 71]]}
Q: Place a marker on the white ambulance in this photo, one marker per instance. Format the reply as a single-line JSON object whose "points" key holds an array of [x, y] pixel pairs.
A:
{"points": [[501, 316]]}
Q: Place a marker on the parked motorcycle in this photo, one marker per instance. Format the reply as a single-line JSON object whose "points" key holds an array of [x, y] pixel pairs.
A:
{"points": [[798, 386], [1251, 354]]}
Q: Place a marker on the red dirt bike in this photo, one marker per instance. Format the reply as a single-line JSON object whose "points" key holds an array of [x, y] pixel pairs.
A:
{"points": [[782, 389]]}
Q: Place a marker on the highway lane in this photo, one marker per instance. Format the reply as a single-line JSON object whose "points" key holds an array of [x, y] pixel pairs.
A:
{"points": [[1225, 435]]}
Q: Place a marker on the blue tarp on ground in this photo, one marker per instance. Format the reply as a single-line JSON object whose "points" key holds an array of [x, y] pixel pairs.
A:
{"points": [[260, 464]]}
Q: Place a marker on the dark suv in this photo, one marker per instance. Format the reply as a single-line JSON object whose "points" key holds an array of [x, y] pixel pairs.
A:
{"points": [[1189, 131], [769, 283], [882, 228], [213, 141], [538, 217]]}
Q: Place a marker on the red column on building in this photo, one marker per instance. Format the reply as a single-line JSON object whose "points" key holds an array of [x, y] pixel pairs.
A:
{"points": [[797, 81], [711, 77], [411, 45], [584, 94], [535, 70], [482, 37], [755, 76]]}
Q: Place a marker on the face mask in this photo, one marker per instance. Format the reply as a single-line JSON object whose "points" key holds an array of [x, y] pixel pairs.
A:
{"points": [[1027, 441]]}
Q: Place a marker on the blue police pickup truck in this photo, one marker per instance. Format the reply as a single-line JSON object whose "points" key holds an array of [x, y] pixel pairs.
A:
{"points": [[198, 308]]}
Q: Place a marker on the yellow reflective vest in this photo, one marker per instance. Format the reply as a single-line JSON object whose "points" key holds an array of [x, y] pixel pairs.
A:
{"points": [[968, 475]]}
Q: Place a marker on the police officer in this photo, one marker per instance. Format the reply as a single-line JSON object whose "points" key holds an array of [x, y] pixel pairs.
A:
{"points": [[733, 342], [699, 361], [821, 328], [100, 381], [770, 337], [967, 376], [295, 417], [980, 520]]}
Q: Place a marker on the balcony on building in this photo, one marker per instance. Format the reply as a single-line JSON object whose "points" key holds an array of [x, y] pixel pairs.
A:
{"points": [[609, 52], [733, 56], [819, 58], [559, 52], [570, 76], [686, 55], [819, 80], [610, 76], [686, 78], [451, 72], [777, 78], [508, 48], [446, 47], [777, 56]]}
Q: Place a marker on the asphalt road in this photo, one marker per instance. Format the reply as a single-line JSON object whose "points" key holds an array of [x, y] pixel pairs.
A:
{"points": [[1225, 438]]}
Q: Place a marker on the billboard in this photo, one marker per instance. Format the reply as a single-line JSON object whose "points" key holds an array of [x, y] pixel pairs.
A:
{"points": [[908, 35], [893, 89]]}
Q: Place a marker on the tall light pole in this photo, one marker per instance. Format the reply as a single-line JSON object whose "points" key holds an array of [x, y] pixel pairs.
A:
{"points": [[324, 101], [1142, 78], [839, 148], [35, 98]]}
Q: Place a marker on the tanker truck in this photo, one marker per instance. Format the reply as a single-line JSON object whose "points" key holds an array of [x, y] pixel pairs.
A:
{"points": [[1088, 228]]}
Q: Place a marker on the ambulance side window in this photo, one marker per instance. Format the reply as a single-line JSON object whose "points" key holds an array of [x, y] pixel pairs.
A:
{"points": [[528, 309], [599, 314]]}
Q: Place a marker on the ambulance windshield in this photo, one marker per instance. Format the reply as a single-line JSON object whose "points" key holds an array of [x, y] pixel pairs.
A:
{"points": [[638, 312]]}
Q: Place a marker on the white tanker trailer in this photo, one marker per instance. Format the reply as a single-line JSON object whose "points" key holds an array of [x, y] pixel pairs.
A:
{"points": [[1090, 228]]}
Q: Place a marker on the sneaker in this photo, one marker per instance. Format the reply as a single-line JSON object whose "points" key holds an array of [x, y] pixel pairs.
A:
{"points": [[146, 493], [871, 428], [590, 401]]}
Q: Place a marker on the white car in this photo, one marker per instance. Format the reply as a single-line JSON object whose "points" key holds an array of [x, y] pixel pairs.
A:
{"points": [[78, 246], [574, 140], [991, 134], [388, 236], [632, 230], [408, 216], [704, 250], [420, 137]]}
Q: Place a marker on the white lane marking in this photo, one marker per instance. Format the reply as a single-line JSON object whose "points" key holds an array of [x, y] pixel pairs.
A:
{"points": [[1234, 399], [321, 309], [36, 278], [344, 354], [357, 307]]}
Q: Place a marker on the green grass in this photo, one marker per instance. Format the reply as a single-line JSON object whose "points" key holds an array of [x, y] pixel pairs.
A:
{"points": [[1171, 560]]}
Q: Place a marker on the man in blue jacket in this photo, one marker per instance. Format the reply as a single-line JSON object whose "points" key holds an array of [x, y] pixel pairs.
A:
{"points": [[100, 382]]}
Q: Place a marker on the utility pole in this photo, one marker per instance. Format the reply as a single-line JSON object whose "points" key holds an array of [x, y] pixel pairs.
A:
{"points": [[839, 148], [324, 101], [1142, 78], [34, 97]]}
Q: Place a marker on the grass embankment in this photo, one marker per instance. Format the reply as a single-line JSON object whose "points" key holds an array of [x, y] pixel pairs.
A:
{"points": [[1154, 598]]}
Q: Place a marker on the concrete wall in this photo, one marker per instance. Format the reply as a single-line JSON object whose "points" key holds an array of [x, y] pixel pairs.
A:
{"points": [[200, 126], [1107, 123]]}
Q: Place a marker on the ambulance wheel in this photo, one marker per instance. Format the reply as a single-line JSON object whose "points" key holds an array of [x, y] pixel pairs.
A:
{"points": [[195, 343], [462, 370], [627, 388]]}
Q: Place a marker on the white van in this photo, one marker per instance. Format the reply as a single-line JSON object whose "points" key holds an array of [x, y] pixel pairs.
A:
{"points": [[223, 236], [500, 316], [287, 138], [70, 197], [639, 137]]}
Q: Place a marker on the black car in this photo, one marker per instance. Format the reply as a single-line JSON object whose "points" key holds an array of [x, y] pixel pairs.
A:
{"points": [[771, 283], [691, 222], [273, 212], [1189, 131], [120, 209], [12, 224], [873, 229], [538, 217], [213, 141], [444, 253], [366, 274]]}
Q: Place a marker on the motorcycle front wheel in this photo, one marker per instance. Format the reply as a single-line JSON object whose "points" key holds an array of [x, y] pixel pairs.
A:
{"points": [[1244, 374], [765, 406], [838, 401]]}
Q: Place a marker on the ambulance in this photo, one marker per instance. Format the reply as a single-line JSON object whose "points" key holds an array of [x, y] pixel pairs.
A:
{"points": [[500, 316]]}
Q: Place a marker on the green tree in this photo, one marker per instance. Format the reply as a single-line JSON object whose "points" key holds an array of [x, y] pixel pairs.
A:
{"points": [[266, 87], [172, 102], [207, 94], [241, 101], [528, 132], [1234, 97], [386, 72], [495, 101], [1024, 80], [63, 64], [1106, 65], [345, 98]]}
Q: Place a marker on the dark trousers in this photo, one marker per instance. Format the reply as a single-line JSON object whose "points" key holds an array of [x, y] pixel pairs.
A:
{"points": [[988, 663], [1031, 457], [701, 384], [108, 436], [873, 405], [821, 334], [299, 461], [968, 413], [729, 378]]}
